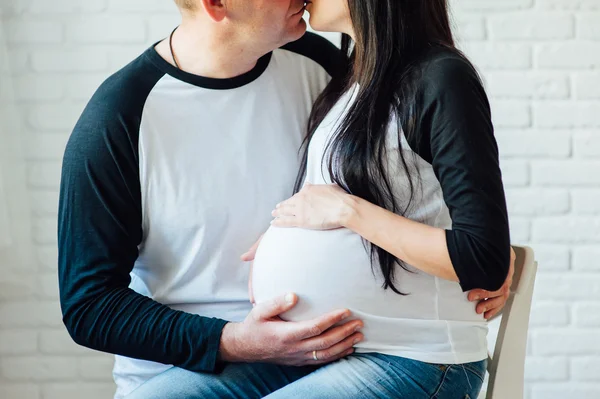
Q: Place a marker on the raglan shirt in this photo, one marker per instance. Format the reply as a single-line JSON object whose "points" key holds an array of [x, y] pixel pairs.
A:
{"points": [[456, 137], [452, 160], [455, 142], [167, 179]]}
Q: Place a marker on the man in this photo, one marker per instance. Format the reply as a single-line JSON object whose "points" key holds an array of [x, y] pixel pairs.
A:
{"points": [[171, 174]]}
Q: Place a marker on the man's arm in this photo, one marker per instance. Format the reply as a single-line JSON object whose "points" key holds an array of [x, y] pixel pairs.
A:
{"points": [[491, 303], [99, 230]]}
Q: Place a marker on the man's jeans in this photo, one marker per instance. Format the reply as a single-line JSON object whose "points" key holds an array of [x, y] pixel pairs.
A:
{"points": [[358, 376]]}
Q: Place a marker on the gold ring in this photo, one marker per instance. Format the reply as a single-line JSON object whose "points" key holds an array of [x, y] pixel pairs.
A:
{"points": [[315, 356]]}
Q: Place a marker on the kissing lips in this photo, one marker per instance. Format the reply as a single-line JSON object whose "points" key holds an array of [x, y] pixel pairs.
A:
{"points": [[301, 11]]}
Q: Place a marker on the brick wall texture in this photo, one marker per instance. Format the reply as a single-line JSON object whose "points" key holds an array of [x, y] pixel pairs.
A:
{"points": [[540, 60]]}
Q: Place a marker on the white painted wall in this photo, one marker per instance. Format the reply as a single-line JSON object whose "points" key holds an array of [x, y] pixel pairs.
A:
{"points": [[541, 63]]}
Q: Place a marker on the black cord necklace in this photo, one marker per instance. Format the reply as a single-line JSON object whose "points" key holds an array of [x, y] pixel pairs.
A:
{"points": [[171, 46]]}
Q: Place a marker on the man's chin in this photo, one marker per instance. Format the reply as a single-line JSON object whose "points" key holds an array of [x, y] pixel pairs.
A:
{"points": [[292, 34], [297, 33]]}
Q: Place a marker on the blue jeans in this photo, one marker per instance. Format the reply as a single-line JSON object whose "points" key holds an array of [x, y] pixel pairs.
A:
{"points": [[369, 375]]}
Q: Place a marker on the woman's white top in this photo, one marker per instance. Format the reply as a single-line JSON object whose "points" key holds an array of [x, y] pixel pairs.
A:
{"points": [[331, 270]]}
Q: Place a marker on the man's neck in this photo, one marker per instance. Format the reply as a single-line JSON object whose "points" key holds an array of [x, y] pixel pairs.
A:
{"points": [[201, 50]]}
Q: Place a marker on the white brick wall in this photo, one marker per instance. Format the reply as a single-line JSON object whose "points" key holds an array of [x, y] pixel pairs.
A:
{"points": [[540, 60]]}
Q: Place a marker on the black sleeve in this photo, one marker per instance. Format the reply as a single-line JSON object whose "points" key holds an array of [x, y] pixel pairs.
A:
{"points": [[322, 51], [99, 230], [456, 118]]}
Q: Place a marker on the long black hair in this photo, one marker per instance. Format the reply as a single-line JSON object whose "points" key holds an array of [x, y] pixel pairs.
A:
{"points": [[392, 36]]}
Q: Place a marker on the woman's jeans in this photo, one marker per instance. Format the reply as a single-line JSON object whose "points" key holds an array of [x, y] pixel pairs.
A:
{"points": [[368, 375]]}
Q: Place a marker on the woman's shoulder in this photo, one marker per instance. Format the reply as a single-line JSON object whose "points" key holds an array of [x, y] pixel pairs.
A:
{"points": [[443, 69], [446, 74]]}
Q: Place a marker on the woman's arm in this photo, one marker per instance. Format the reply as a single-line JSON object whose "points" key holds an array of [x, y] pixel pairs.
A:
{"points": [[458, 141], [415, 243], [330, 207], [418, 244]]}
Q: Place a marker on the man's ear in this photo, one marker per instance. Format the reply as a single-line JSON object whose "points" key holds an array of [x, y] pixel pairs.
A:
{"points": [[215, 9]]}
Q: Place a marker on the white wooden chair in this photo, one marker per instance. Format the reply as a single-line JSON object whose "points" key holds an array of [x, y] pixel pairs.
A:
{"points": [[507, 366]]}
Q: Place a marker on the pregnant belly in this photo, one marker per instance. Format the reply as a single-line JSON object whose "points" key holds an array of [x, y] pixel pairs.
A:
{"points": [[331, 270], [328, 270]]}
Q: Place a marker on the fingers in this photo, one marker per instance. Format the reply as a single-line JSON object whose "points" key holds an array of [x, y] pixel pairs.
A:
{"points": [[250, 288], [285, 221], [249, 256], [490, 314], [284, 210], [511, 269], [312, 362], [491, 304], [338, 351], [478, 294], [314, 328], [291, 202], [332, 337], [273, 308]]}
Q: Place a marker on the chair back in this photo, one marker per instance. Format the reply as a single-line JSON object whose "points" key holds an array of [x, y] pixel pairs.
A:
{"points": [[507, 366]]}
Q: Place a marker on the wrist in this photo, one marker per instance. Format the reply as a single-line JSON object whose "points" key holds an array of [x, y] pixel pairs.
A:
{"points": [[229, 348], [349, 211]]}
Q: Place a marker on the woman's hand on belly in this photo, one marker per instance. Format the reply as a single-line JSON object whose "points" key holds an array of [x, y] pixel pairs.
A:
{"points": [[328, 206], [315, 207]]}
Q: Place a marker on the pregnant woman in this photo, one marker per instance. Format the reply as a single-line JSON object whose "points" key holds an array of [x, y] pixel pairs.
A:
{"points": [[400, 208]]}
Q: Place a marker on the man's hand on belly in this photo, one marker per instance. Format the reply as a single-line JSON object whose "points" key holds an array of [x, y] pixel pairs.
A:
{"points": [[264, 337]]}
